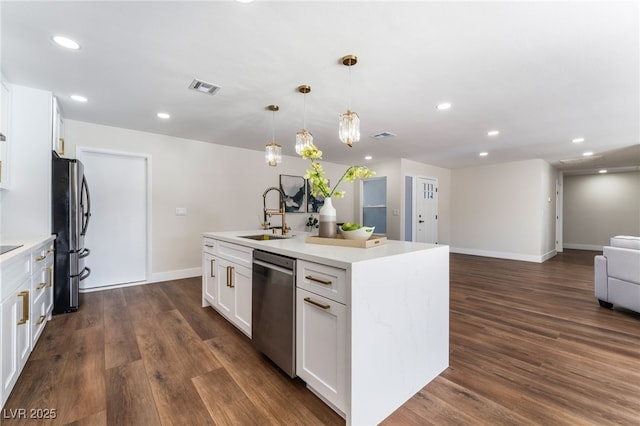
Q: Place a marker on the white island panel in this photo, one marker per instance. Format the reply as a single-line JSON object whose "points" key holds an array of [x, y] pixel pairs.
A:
{"points": [[399, 330]]}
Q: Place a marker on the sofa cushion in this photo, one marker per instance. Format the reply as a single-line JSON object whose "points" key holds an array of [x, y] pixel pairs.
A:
{"points": [[626, 241], [623, 263]]}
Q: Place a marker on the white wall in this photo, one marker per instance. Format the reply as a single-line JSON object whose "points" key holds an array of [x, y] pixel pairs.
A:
{"points": [[503, 210], [220, 186], [598, 207]]}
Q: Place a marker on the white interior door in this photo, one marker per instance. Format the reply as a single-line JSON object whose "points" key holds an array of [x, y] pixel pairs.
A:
{"points": [[426, 217], [117, 232]]}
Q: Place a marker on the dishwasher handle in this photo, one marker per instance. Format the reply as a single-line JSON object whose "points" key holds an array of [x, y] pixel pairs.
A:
{"points": [[274, 267]]}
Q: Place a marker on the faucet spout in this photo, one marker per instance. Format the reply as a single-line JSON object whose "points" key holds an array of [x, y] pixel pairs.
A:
{"points": [[271, 212]]}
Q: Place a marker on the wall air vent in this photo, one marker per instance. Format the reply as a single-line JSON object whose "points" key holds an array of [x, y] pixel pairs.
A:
{"points": [[203, 87], [383, 135]]}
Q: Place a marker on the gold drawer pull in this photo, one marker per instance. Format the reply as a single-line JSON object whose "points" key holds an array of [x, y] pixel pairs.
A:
{"points": [[40, 258], [209, 245], [318, 304], [51, 276], [318, 280], [41, 286], [25, 307], [231, 283], [51, 250], [40, 320], [213, 268]]}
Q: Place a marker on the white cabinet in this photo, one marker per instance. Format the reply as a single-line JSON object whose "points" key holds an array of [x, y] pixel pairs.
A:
{"points": [[234, 293], [57, 134], [321, 319], [41, 289], [26, 302], [15, 321], [227, 281], [209, 275], [5, 137]]}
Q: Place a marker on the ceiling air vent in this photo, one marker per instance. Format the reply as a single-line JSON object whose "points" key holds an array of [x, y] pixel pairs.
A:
{"points": [[383, 135], [203, 87]]}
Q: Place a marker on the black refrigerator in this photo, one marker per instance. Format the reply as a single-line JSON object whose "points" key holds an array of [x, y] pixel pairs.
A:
{"points": [[70, 211]]}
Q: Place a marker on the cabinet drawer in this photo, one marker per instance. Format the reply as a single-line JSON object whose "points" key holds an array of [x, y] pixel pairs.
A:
{"points": [[324, 280], [40, 255], [209, 246], [235, 253]]}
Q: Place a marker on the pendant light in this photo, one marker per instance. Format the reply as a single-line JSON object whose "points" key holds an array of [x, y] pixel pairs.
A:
{"points": [[303, 137], [349, 122], [273, 152]]}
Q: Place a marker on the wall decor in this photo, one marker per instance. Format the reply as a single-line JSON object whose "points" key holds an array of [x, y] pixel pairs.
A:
{"points": [[314, 204], [294, 190]]}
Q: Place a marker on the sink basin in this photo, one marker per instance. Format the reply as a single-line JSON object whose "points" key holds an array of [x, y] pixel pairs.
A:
{"points": [[264, 237]]}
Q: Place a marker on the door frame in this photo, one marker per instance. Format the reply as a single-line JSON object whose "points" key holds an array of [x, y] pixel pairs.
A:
{"points": [[414, 204], [80, 150]]}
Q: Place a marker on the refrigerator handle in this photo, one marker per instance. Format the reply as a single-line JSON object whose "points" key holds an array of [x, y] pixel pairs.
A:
{"points": [[85, 273], [86, 215]]}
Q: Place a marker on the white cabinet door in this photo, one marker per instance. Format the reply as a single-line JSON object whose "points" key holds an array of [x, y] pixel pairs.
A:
{"points": [[320, 346], [233, 296], [209, 279], [241, 282], [14, 337], [5, 110], [57, 135]]}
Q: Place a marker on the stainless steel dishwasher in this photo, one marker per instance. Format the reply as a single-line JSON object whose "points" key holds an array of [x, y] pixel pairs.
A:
{"points": [[273, 330]]}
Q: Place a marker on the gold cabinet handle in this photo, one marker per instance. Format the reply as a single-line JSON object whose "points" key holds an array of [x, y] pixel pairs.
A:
{"points": [[25, 307], [40, 258], [40, 320], [227, 276], [50, 250], [41, 286], [61, 146], [50, 276], [230, 270], [318, 280], [213, 266], [318, 304], [209, 245]]}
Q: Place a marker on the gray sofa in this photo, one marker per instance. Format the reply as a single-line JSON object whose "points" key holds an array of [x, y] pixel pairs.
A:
{"points": [[617, 273]]}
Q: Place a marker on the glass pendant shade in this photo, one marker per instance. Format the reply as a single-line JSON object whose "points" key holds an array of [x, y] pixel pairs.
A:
{"points": [[349, 127], [303, 140], [273, 154]]}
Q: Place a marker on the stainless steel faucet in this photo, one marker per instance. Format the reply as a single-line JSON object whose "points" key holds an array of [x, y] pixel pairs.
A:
{"points": [[271, 212]]}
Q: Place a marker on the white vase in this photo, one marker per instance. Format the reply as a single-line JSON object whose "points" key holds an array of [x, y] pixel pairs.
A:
{"points": [[327, 220]]}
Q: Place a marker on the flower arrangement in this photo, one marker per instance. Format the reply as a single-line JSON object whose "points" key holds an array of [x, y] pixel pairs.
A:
{"points": [[320, 184]]}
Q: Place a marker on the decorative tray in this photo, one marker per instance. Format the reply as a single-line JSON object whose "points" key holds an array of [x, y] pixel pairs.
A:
{"points": [[375, 240]]}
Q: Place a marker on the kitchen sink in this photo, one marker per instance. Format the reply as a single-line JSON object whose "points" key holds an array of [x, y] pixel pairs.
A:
{"points": [[265, 237]]}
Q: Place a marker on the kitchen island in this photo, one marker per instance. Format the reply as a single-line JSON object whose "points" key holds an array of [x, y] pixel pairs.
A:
{"points": [[366, 344]]}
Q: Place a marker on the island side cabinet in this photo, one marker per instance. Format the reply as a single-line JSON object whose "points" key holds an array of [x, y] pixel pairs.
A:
{"points": [[321, 316]]}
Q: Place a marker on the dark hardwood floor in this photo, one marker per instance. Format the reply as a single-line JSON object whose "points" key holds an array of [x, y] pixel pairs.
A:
{"points": [[529, 346]]}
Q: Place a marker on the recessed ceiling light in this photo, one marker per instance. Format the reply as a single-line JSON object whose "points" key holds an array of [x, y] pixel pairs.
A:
{"points": [[78, 98], [577, 140], [163, 115], [66, 42], [244, 1], [603, 171], [493, 133], [368, 157], [443, 106], [484, 154], [587, 154]]}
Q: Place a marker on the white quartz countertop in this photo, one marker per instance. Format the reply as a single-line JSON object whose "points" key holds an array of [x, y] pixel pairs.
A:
{"points": [[341, 257], [28, 242]]}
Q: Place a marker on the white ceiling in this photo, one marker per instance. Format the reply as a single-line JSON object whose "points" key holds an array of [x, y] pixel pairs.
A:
{"points": [[542, 73]]}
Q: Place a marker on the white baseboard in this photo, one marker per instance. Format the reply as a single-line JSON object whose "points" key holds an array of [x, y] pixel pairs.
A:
{"points": [[155, 278], [504, 255], [591, 247]]}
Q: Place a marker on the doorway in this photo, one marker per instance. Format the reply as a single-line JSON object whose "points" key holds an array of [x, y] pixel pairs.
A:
{"points": [[118, 235], [421, 200]]}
